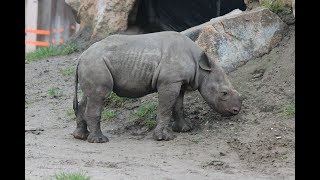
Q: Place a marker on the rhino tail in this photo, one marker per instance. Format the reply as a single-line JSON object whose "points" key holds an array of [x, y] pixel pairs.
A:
{"points": [[75, 99]]}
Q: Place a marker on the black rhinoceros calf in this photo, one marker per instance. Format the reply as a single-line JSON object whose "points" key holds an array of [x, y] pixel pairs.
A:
{"points": [[136, 65]]}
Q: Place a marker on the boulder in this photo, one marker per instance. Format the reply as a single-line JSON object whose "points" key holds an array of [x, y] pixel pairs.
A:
{"points": [[237, 37], [75, 5], [102, 17]]}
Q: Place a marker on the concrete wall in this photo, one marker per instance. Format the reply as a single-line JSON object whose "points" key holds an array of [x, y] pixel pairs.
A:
{"points": [[46, 9], [54, 16]]}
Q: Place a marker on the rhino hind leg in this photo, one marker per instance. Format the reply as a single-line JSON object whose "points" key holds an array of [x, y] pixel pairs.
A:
{"points": [[180, 124], [81, 131], [167, 98], [95, 86], [93, 118]]}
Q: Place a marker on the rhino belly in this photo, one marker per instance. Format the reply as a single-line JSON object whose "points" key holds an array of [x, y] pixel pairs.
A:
{"points": [[132, 88], [133, 70], [135, 80]]}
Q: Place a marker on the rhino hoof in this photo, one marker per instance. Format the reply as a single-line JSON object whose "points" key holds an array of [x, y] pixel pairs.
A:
{"points": [[80, 134], [181, 127], [94, 138], [163, 134]]}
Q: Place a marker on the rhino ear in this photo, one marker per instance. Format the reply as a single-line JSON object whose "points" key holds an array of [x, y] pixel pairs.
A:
{"points": [[204, 62]]}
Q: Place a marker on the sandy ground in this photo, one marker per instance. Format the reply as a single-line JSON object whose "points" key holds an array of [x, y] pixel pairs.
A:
{"points": [[258, 143]]}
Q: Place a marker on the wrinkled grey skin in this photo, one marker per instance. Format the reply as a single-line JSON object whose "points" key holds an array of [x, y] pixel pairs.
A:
{"points": [[136, 65]]}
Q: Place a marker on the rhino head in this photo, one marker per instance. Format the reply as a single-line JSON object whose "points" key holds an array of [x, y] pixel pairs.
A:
{"points": [[216, 89]]}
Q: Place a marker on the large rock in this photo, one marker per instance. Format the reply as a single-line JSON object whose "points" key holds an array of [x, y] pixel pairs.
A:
{"points": [[102, 17], [75, 6], [237, 37]]}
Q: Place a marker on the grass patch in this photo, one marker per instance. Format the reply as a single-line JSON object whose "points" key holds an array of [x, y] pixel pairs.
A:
{"points": [[290, 110], [71, 176], [80, 93], [26, 104], [275, 6], [196, 141], [108, 114], [54, 50], [68, 71], [70, 114], [146, 113], [115, 101], [54, 92]]}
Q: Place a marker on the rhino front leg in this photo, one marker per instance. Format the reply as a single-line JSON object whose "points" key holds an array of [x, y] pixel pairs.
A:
{"points": [[167, 97], [81, 131], [180, 123]]}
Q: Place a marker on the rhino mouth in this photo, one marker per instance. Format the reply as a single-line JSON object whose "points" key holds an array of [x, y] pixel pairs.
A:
{"points": [[229, 112], [232, 112], [226, 112]]}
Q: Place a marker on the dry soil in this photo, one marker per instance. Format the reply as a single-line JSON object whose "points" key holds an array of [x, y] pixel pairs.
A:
{"points": [[258, 143]]}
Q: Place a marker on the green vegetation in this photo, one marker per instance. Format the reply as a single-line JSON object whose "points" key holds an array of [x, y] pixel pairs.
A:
{"points": [[146, 113], [290, 110], [275, 6], [70, 114], [26, 104], [68, 71], [115, 101], [71, 176], [55, 50], [108, 114], [80, 93], [54, 92], [196, 141]]}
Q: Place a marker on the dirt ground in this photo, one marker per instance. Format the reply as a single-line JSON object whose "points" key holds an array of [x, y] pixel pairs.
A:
{"points": [[258, 143]]}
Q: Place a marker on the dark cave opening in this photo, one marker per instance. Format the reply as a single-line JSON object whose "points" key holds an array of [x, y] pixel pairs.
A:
{"points": [[177, 15]]}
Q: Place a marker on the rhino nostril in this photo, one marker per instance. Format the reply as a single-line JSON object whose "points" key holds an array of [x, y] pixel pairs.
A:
{"points": [[235, 110]]}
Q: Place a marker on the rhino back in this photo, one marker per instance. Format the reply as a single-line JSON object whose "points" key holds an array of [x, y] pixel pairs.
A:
{"points": [[135, 61]]}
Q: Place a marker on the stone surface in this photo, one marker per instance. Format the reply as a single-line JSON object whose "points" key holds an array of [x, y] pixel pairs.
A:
{"points": [[102, 17], [237, 37], [75, 5]]}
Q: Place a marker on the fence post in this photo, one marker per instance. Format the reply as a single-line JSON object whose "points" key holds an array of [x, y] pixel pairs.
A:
{"points": [[31, 19]]}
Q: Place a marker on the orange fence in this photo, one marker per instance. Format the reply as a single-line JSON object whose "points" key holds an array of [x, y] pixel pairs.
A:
{"points": [[40, 32], [38, 43], [46, 33]]}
